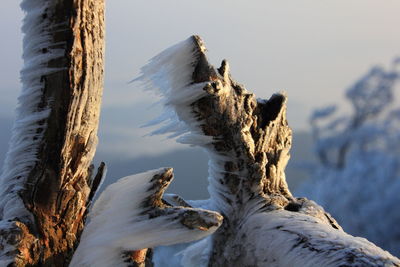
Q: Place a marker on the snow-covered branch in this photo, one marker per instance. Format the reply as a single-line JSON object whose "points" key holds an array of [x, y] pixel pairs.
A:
{"points": [[248, 141], [130, 215]]}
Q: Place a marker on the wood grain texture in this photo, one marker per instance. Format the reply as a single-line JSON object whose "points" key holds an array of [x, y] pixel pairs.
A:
{"points": [[58, 187]]}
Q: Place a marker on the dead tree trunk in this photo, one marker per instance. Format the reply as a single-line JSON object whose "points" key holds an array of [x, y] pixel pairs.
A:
{"points": [[48, 180], [248, 141]]}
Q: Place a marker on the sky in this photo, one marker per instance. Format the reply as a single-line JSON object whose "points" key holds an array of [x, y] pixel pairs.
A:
{"points": [[312, 49]]}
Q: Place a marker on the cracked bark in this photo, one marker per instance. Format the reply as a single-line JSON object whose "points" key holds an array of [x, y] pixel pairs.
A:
{"points": [[61, 185]]}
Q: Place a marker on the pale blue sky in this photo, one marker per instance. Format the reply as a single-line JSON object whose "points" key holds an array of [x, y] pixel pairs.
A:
{"points": [[313, 49]]}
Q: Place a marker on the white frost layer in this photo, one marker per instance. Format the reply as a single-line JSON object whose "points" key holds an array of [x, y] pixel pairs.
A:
{"points": [[198, 254], [31, 114], [283, 238], [119, 223], [195, 254], [169, 74], [187, 254]]}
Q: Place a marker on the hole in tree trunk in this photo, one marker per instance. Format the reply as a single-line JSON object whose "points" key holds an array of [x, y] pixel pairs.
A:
{"points": [[270, 109]]}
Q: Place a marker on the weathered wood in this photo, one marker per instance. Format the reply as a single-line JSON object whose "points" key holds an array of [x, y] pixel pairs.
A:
{"points": [[264, 225], [58, 186], [248, 141], [138, 258], [130, 215]]}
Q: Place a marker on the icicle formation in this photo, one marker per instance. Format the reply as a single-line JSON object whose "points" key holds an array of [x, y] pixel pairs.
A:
{"points": [[31, 114], [130, 215]]}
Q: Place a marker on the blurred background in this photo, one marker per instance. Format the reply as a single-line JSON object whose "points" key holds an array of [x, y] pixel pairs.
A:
{"points": [[314, 50]]}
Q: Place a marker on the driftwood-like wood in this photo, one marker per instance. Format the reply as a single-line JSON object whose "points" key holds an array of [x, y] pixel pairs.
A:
{"points": [[58, 188], [264, 225]]}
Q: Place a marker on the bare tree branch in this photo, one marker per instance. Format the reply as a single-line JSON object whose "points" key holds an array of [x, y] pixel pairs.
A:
{"points": [[130, 215]]}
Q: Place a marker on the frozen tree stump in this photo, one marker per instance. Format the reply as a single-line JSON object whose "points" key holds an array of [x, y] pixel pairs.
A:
{"points": [[48, 180], [248, 141]]}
